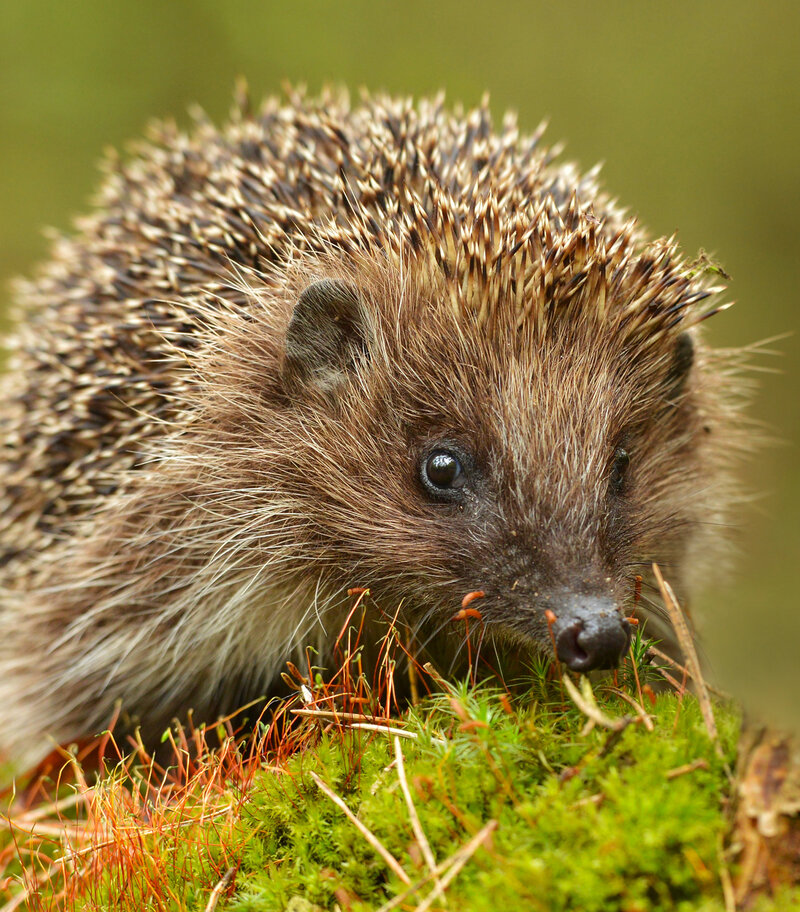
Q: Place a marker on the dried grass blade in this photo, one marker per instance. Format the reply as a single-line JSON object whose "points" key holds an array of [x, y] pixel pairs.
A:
{"points": [[686, 642]]}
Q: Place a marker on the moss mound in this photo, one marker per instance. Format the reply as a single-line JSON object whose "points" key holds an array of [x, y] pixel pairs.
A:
{"points": [[490, 804]]}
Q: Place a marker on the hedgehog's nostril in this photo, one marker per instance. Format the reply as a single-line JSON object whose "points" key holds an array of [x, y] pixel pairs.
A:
{"points": [[591, 635], [568, 647]]}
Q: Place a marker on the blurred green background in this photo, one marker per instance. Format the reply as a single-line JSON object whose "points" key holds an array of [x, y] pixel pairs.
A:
{"points": [[693, 107]]}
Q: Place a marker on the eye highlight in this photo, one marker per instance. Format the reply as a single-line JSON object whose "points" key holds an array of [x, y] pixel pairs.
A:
{"points": [[443, 473], [619, 469]]}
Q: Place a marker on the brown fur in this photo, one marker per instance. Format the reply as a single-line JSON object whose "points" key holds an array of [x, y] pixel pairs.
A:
{"points": [[181, 511]]}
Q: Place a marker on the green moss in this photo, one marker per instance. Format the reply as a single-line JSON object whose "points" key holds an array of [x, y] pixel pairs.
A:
{"points": [[618, 834], [582, 822]]}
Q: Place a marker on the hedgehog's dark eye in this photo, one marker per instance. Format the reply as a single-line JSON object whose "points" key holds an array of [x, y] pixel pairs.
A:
{"points": [[443, 472], [618, 470]]}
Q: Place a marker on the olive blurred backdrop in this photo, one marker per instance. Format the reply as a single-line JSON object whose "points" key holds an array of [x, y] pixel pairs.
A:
{"points": [[692, 107]]}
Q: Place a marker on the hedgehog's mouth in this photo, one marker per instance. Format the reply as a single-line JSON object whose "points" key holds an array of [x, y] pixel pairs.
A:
{"points": [[585, 632]]}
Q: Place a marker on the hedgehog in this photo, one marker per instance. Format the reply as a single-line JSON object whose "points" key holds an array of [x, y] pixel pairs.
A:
{"points": [[381, 344]]}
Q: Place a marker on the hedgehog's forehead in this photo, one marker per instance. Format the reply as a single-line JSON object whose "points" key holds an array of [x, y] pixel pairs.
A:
{"points": [[552, 407], [555, 364]]}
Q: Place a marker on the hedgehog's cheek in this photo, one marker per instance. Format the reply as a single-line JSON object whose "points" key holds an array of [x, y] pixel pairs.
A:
{"points": [[326, 337]]}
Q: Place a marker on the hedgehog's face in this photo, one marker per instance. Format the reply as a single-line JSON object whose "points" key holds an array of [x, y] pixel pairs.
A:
{"points": [[545, 474], [527, 581]]}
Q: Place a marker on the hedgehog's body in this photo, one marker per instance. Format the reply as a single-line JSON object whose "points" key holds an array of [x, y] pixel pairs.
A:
{"points": [[384, 347]]}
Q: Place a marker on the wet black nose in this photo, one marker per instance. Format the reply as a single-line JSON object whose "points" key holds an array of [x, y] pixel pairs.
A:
{"points": [[590, 634]]}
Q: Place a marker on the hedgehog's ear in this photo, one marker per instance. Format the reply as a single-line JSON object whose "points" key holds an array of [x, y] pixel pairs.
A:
{"points": [[680, 366], [326, 336]]}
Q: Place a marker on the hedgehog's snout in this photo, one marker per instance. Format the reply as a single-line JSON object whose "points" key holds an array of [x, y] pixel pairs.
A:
{"points": [[590, 633]]}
